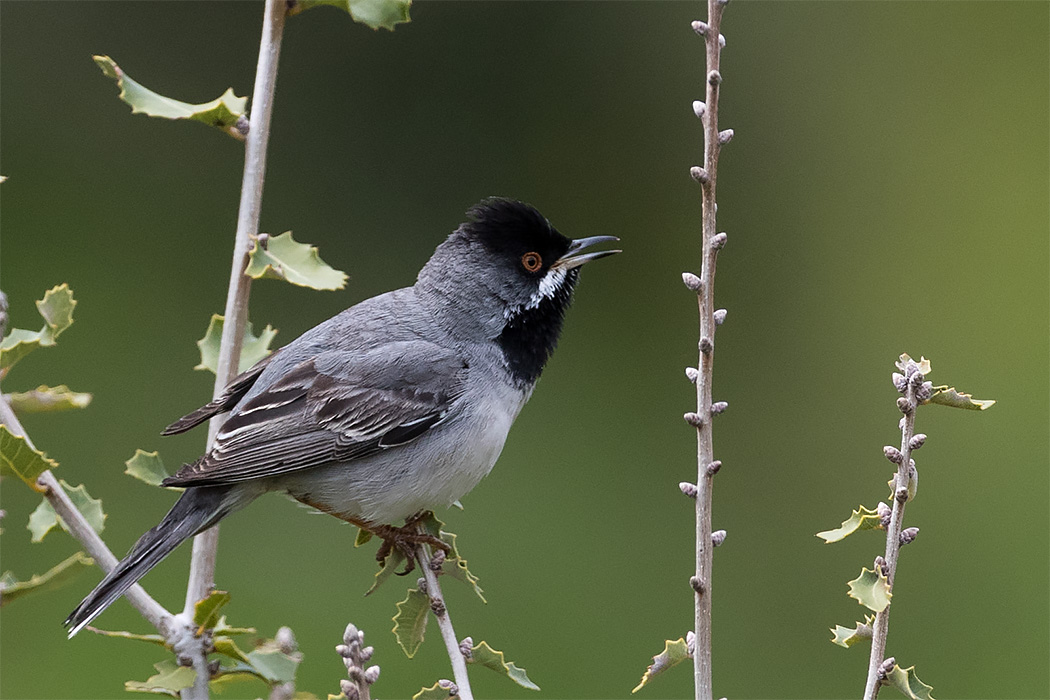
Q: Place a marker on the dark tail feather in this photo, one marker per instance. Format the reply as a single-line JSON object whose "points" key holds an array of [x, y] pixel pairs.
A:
{"points": [[197, 509]]}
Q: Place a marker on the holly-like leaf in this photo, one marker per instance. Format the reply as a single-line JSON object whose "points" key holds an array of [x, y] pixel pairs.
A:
{"points": [[169, 680], [57, 309], [17, 458], [12, 589], [146, 466], [44, 518], [253, 347], [905, 680], [410, 622], [945, 395], [673, 654], [206, 611], [150, 638], [273, 664], [222, 113], [871, 589], [848, 636], [375, 13], [862, 519], [484, 655], [442, 690], [455, 565], [48, 398], [282, 258]]}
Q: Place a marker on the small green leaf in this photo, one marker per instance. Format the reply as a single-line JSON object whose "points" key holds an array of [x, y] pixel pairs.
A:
{"points": [[923, 363], [848, 636], [227, 647], [905, 680], [363, 536], [169, 680], [11, 588], [390, 565], [871, 590], [272, 663], [48, 398], [41, 521], [57, 309], [146, 466], [206, 610], [375, 13], [484, 655], [455, 564], [282, 258], [16, 345], [17, 458], [44, 518], [222, 113], [253, 348], [862, 519], [410, 622], [442, 690], [150, 638], [673, 654], [221, 627], [948, 396]]}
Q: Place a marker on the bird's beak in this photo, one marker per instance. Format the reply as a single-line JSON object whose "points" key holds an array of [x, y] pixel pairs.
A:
{"points": [[571, 259]]}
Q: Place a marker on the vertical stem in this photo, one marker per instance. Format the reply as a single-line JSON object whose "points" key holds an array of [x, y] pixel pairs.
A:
{"points": [[205, 545], [437, 605], [704, 438]]}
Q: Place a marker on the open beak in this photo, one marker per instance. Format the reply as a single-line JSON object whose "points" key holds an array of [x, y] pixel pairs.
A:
{"points": [[571, 259]]}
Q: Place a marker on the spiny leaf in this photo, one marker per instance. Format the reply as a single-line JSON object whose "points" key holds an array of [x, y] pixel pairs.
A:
{"points": [[146, 466], [282, 258], [673, 654], [848, 636], [862, 519], [11, 588], [410, 622], [484, 655], [273, 664], [16, 345], [48, 398], [57, 309], [948, 396], [871, 589], [455, 564], [442, 690], [206, 610], [44, 518], [150, 638], [375, 13], [253, 348], [905, 680], [17, 458], [923, 363], [169, 680], [222, 113]]}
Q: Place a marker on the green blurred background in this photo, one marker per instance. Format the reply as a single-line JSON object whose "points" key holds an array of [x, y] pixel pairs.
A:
{"points": [[886, 193]]}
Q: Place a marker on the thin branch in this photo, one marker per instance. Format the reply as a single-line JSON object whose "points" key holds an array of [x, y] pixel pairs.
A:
{"points": [[704, 287], [913, 384], [83, 533], [437, 606], [205, 545]]}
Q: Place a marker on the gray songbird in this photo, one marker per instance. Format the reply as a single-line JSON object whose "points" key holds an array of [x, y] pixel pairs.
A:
{"points": [[398, 405]]}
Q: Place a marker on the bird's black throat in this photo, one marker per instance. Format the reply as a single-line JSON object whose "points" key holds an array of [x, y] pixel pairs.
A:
{"points": [[530, 334]]}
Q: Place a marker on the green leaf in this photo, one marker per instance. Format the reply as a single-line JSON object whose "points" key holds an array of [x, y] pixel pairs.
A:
{"points": [[871, 590], [282, 258], [375, 13], [57, 309], [363, 536], [44, 517], [862, 519], [16, 345], [47, 398], [389, 566], [945, 395], [455, 564], [442, 690], [146, 466], [12, 589], [848, 636], [150, 638], [484, 655], [169, 680], [253, 348], [221, 627], [905, 680], [273, 664], [17, 458], [206, 610], [227, 647], [410, 622], [673, 654], [222, 113]]}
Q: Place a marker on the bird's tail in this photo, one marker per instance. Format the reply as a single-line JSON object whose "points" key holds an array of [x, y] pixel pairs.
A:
{"points": [[197, 509]]}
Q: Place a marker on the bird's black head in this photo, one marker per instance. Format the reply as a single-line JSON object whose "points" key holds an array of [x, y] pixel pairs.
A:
{"points": [[508, 274]]}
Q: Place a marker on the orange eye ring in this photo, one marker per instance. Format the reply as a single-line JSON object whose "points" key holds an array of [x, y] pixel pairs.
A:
{"points": [[531, 261]]}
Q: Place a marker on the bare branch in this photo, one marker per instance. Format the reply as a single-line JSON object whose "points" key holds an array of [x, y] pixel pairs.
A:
{"points": [[438, 607]]}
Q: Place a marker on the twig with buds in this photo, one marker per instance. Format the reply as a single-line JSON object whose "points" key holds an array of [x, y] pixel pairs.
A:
{"points": [[359, 681]]}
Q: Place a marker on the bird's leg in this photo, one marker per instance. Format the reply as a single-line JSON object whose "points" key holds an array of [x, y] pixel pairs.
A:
{"points": [[405, 539]]}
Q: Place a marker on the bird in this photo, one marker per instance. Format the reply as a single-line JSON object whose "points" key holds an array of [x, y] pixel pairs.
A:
{"points": [[395, 406]]}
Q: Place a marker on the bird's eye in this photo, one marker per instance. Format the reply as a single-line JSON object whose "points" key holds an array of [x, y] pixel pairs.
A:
{"points": [[531, 261]]}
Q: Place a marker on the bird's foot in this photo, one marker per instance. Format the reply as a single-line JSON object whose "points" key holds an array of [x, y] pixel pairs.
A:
{"points": [[406, 540]]}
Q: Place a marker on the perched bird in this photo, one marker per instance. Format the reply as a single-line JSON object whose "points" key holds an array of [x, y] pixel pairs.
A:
{"points": [[397, 405]]}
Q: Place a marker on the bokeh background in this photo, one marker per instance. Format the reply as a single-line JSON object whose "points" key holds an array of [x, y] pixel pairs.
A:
{"points": [[886, 193]]}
